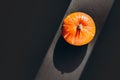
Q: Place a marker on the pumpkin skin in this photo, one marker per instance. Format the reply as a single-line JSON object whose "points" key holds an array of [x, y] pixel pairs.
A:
{"points": [[78, 29]]}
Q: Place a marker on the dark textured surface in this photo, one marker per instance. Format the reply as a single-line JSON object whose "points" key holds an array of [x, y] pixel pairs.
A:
{"points": [[27, 29], [17, 62], [99, 10]]}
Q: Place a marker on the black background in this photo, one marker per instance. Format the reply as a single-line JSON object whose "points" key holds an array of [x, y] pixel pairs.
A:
{"points": [[27, 29]]}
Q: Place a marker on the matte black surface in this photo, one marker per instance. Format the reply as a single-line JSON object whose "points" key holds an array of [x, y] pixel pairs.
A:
{"points": [[17, 62], [27, 29]]}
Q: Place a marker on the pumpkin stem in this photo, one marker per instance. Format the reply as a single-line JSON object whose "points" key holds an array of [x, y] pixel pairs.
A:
{"points": [[79, 26]]}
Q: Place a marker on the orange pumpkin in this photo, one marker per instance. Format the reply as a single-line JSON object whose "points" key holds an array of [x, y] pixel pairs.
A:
{"points": [[78, 29]]}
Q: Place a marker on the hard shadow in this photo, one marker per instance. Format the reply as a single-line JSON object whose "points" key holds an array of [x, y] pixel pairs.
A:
{"points": [[66, 57]]}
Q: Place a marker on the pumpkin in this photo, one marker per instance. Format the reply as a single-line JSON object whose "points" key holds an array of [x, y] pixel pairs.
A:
{"points": [[78, 28]]}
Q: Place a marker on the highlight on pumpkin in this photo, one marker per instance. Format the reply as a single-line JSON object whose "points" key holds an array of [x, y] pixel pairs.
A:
{"points": [[78, 29]]}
